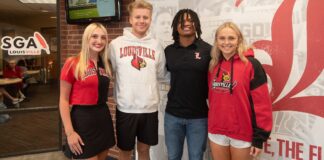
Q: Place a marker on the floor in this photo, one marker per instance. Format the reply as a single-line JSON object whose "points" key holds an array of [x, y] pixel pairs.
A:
{"points": [[58, 155], [42, 156], [30, 131]]}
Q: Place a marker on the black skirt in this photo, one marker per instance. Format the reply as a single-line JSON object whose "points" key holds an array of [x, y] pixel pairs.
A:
{"points": [[95, 127]]}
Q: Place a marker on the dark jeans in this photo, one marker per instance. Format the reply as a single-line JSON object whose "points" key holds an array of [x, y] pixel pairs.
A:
{"points": [[177, 129]]}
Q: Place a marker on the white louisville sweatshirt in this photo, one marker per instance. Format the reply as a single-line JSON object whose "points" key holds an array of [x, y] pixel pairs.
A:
{"points": [[139, 66]]}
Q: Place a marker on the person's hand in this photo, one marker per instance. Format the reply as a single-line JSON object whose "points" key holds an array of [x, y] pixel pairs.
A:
{"points": [[75, 142], [255, 151]]}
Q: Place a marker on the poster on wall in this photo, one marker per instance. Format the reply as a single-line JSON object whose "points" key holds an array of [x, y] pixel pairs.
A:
{"points": [[287, 41]]}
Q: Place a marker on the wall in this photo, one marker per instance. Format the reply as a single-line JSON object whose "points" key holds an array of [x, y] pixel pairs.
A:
{"points": [[70, 42]]}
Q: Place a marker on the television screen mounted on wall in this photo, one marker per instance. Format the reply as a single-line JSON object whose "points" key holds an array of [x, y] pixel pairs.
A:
{"points": [[86, 11]]}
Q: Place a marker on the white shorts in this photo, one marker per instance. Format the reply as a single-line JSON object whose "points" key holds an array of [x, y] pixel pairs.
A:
{"points": [[227, 141]]}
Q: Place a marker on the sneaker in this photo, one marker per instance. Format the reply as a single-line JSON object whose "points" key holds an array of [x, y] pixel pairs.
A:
{"points": [[21, 99], [17, 105], [4, 118], [15, 101]]}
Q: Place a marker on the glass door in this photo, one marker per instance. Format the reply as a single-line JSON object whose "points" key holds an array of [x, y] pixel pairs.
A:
{"points": [[29, 69]]}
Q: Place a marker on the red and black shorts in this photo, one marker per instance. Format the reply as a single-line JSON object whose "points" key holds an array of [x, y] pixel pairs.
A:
{"points": [[144, 126]]}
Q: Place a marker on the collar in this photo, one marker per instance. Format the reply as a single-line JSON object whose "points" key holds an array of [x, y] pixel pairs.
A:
{"points": [[194, 45], [235, 57], [98, 63]]}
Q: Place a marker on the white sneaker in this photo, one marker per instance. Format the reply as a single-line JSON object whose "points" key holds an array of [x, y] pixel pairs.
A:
{"points": [[22, 96], [4, 118], [15, 101], [21, 99]]}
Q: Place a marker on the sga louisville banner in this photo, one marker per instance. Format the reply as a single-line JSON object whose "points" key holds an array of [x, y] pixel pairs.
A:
{"points": [[18, 45]]}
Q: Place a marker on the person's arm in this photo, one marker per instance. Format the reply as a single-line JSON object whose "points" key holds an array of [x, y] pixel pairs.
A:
{"points": [[67, 79], [65, 90], [112, 59], [209, 81], [74, 140], [261, 107], [162, 74], [112, 56], [20, 72]]}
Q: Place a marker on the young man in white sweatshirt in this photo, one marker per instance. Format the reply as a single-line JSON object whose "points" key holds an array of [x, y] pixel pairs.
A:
{"points": [[138, 62]]}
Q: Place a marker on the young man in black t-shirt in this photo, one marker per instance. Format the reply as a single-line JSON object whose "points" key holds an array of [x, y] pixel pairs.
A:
{"points": [[186, 111]]}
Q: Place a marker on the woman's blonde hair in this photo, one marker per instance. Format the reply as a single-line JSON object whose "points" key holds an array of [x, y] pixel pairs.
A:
{"points": [[139, 4], [84, 55], [241, 48]]}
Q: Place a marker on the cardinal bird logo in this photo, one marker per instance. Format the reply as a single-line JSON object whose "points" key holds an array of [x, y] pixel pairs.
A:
{"points": [[226, 77], [138, 62]]}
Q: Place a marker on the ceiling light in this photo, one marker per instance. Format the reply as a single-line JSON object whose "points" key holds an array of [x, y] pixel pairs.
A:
{"points": [[38, 1]]}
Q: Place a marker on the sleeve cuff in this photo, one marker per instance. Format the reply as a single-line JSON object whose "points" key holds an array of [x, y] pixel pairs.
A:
{"points": [[257, 143]]}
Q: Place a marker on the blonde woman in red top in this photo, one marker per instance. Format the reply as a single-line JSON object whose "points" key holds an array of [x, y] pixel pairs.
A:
{"points": [[84, 90], [240, 113]]}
